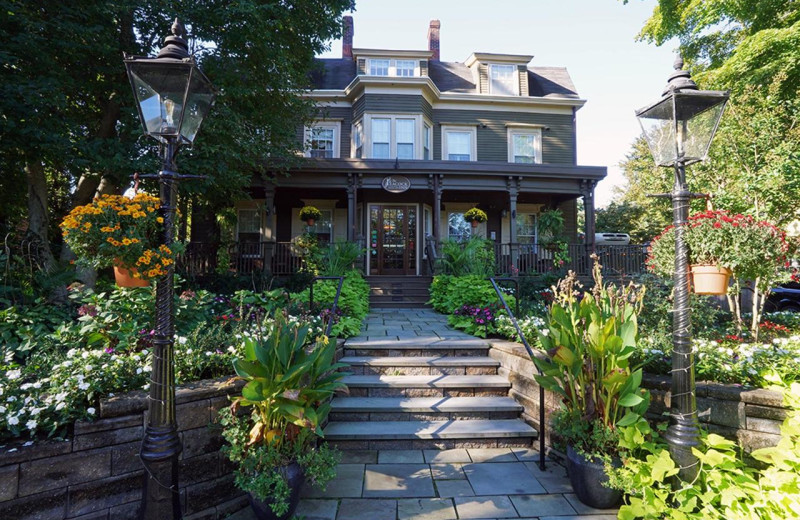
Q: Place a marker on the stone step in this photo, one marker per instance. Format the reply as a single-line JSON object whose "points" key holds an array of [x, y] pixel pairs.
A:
{"points": [[423, 408], [429, 434], [403, 304], [426, 386], [415, 346], [420, 365]]}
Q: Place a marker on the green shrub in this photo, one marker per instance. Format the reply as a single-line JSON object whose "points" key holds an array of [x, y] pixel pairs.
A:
{"points": [[474, 256], [353, 302], [726, 487], [470, 302], [340, 258]]}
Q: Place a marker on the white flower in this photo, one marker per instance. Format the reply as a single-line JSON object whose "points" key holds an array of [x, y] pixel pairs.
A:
{"points": [[60, 406], [31, 425], [26, 386], [11, 398], [29, 443], [90, 411], [148, 368], [14, 374], [13, 421], [209, 353], [182, 340], [85, 355], [83, 386], [146, 386], [36, 411], [189, 351], [66, 364], [61, 396], [71, 352], [88, 368], [2, 409], [139, 370], [37, 385]]}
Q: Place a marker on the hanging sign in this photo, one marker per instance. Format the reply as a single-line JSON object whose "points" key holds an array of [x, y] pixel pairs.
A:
{"points": [[396, 183]]}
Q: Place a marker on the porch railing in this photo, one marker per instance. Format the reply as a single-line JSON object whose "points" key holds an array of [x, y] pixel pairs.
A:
{"points": [[282, 259]]}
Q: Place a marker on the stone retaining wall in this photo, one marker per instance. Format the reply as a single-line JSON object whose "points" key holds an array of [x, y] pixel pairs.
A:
{"points": [[97, 473], [751, 417]]}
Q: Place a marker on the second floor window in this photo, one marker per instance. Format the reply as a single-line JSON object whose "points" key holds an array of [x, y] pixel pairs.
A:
{"points": [[405, 138], [458, 145], [426, 142], [524, 146], [358, 140], [322, 142], [381, 138], [503, 80], [378, 67]]}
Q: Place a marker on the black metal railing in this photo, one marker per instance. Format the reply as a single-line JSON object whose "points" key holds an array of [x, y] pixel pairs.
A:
{"points": [[335, 304], [528, 348]]}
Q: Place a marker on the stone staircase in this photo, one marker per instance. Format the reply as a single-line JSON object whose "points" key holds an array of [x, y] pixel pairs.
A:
{"points": [[399, 291], [424, 392]]}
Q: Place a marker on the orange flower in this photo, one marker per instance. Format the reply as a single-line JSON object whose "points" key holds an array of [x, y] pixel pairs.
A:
{"points": [[160, 220]]}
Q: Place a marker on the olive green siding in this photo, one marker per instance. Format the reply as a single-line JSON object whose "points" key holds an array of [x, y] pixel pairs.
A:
{"points": [[557, 142], [358, 108], [427, 110], [395, 103], [523, 79]]}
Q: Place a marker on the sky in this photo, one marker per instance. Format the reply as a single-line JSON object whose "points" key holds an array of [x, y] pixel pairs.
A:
{"points": [[594, 39]]}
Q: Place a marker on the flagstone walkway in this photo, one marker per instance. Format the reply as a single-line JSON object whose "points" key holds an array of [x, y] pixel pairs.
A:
{"points": [[451, 484], [483, 483]]}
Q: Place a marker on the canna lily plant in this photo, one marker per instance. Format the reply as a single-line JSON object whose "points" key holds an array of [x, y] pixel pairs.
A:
{"points": [[289, 383], [588, 341]]}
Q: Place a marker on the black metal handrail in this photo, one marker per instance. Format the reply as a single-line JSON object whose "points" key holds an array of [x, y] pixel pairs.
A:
{"points": [[335, 298], [530, 353]]}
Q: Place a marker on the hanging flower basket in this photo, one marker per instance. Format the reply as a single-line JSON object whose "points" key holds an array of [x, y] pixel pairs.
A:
{"points": [[475, 216], [310, 214], [128, 277], [709, 279]]}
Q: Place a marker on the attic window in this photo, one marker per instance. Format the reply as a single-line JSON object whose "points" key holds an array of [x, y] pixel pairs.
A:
{"points": [[503, 80], [391, 67], [379, 67]]}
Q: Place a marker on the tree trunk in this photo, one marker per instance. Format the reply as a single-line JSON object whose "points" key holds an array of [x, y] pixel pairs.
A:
{"points": [[38, 216]]}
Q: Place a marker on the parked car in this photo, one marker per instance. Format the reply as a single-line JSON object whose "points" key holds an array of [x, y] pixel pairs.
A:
{"points": [[784, 298], [612, 239]]}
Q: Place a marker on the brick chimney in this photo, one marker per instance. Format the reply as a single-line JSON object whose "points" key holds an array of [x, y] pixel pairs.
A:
{"points": [[347, 36], [433, 39]]}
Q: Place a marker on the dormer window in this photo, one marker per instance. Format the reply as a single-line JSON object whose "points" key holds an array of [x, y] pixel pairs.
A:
{"points": [[379, 67], [389, 67], [405, 68], [503, 80]]}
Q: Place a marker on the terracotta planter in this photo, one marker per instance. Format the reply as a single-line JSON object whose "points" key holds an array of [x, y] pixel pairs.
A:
{"points": [[124, 278], [310, 221], [474, 223], [709, 279]]}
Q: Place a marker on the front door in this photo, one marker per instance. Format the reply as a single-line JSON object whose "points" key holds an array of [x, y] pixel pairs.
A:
{"points": [[393, 231]]}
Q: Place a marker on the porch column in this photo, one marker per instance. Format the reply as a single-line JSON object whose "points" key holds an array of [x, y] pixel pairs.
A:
{"points": [[513, 192], [268, 243], [587, 192], [351, 207], [437, 209]]}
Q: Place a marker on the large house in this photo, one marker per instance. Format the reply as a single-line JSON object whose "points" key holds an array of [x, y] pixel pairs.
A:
{"points": [[405, 143]]}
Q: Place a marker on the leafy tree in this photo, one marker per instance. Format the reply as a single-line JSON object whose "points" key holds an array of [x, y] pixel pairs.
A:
{"points": [[68, 124]]}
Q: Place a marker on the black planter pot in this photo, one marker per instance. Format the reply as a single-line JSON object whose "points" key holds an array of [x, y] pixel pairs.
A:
{"points": [[587, 478], [262, 508]]}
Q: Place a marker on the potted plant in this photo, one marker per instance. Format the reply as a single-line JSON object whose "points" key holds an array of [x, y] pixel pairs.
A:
{"points": [[588, 341], [475, 216], [310, 214], [121, 232], [274, 426]]}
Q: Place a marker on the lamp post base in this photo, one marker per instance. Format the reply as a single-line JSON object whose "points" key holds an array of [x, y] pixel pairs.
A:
{"points": [[682, 437], [161, 499]]}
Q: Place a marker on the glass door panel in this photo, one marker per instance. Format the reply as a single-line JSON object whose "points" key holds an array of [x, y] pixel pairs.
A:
{"points": [[392, 240]]}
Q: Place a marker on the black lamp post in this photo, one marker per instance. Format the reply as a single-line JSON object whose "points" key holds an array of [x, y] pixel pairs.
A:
{"points": [[679, 128], [173, 96]]}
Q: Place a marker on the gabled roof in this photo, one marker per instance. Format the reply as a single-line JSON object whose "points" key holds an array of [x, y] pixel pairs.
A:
{"points": [[449, 77]]}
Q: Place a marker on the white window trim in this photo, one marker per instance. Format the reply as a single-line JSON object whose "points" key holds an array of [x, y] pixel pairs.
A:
{"points": [[337, 132], [515, 75], [353, 131], [260, 220], [525, 130], [473, 153], [392, 71], [418, 119], [429, 125]]}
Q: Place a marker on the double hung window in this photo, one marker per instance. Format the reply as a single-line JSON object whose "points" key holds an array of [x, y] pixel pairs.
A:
{"points": [[525, 145], [405, 138], [503, 80], [322, 140], [379, 67], [390, 67], [459, 143], [381, 138]]}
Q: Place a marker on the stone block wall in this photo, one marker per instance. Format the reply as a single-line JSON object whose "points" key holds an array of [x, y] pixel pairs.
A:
{"points": [[750, 417], [97, 474]]}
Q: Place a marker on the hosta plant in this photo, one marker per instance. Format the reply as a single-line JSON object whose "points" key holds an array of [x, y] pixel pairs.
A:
{"points": [[277, 419]]}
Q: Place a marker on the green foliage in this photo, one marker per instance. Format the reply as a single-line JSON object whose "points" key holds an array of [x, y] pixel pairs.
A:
{"points": [[262, 468], [726, 486], [450, 293], [341, 257], [310, 212], [627, 216], [288, 387], [353, 302], [470, 257], [588, 343], [306, 246], [22, 327], [476, 215]]}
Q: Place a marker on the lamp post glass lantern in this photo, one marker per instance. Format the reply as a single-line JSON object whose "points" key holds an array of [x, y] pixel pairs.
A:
{"points": [[679, 128], [173, 97]]}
